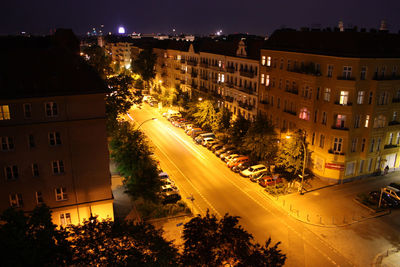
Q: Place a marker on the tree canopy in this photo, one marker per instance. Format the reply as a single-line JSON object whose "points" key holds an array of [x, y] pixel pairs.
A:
{"points": [[133, 157], [239, 129], [144, 64], [212, 242], [98, 58], [206, 115]]}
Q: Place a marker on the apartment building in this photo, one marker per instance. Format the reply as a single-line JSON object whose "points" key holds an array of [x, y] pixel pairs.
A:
{"points": [[120, 53], [226, 70], [52, 130], [343, 90]]}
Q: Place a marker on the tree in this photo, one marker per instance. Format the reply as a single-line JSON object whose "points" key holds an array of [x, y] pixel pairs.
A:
{"points": [[224, 119], [144, 65], [132, 154], [291, 156], [206, 115], [32, 240], [239, 129], [123, 243], [212, 242], [98, 58], [261, 141]]}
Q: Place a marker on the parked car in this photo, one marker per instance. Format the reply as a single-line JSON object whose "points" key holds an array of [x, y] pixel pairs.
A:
{"points": [[223, 150], [387, 200], [231, 157], [393, 192], [267, 180], [209, 144], [253, 170], [201, 137], [169, 198], [237, 161], [255, 178], [153, 103], [192, 131], [163, 175], [227, 153], [217, 146], [395, 185], [169, 188], [241, 166]]}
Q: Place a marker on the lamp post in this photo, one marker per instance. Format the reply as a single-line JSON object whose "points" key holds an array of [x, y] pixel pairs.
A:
{"points": [[304, 163], [152, 119]]}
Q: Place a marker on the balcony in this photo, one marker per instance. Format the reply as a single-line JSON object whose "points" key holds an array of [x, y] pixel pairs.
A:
{"points": [[203, 64], [192, 63], [229, 98], [292, 91], [396, 100], [294, 113], [215, 67], [393, 123], [385, 78], [308, 69], [346, 78], [230, 85], [339, 128], [230, 69], [216, 95], [347, 104], [193, 74], [389, 146], [330, 151], [245, 105], [248, 74]]}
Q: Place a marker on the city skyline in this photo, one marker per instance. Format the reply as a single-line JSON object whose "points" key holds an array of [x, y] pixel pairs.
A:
{"points": [[154, 16]]}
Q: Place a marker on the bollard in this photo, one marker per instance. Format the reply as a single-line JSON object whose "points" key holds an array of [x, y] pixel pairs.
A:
{"points": [[297, 213], [320, 219], [308, 217]]}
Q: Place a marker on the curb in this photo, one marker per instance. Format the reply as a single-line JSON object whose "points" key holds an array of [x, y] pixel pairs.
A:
{"points": [[377, 262]]}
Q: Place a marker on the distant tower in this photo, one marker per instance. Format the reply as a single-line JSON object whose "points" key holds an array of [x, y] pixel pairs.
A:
{"points": [[341, 26], [383, 26]]}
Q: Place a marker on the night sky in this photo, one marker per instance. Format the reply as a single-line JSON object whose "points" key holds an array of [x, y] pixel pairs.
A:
{"points": [[193, 16]]}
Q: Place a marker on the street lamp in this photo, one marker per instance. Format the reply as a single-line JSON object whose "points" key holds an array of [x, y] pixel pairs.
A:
{"points": [[152, 119], [304, 163]]}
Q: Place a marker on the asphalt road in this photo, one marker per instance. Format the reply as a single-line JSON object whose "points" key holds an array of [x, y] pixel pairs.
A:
{"points": [[199, 173]]}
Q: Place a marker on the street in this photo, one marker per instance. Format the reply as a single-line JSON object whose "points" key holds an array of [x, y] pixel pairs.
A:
{"points": [[199, 173]]}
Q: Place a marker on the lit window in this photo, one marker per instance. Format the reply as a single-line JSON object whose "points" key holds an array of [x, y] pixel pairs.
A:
{"points": [[61, 194], [16, 200], [39, 197], [4, 112], [11, 172], [379, 121], [262, 78], [344, 97], [337, 144], [366, 121], [327, 94], [360, 97], [7, 143], [51, 109], [65, 219], [222, 78], [54, 138], [268, 61], [263, 60], [27, 111], [304, 114], [267, 80], [58, 167], [340, 121]]}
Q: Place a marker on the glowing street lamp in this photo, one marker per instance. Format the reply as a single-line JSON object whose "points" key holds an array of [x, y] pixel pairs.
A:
{"points": [[152, 119]]}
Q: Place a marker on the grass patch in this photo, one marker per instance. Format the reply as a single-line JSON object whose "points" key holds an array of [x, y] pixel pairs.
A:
{"points": [[151, 210]]}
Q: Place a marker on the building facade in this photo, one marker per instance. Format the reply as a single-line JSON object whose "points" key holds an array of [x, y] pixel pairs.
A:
{"points": [[342, 89], [53, 136]]}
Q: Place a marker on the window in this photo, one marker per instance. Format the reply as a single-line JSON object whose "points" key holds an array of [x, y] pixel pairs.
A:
{"points": [[35, 170], [304, 114], [398, 138], [7, 143], [323, 118], [327, 94], [340, 121], [366, 121], [390, 138], [281, 64], [394, 117], [369, 165], [357, 121], [313, 139], [280, 83], [51, 109], [4, 112], [363, 73], [27, 111], [383, 71], [317, 94], [383, 98], [360, 97], [394, 71], [263, 60], [347, 72], [378, 144], [363, 145], [370, 98], [65, 219], [58, 167], [361, 166], [61, 194], [268, 61], [11, 172], [350, 168], [344, 97], [315, 116], [54, 138], [330, 71], [321, 141], [31, 141], [379, 121], [288, 65], [337, 144], [262, 78], [267, 80], [39, 197], [287, 85], [16, 200], [372, 145], [278, 105]]}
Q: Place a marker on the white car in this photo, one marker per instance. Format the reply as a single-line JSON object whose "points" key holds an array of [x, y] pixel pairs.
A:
{"points": [[169, 189], [165, 180], [231, 157], [253, 170]]}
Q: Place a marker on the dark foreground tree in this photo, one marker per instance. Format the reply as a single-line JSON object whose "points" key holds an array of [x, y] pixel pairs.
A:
{"points": [[33, 240], [144, 65], [98, 58], [133, 157], [123, 243], [261, 141], [239, 129], [212, 242]]}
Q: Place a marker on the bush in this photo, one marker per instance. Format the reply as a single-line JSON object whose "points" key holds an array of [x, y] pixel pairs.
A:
{"points": [[151, 210], [278, 190]]}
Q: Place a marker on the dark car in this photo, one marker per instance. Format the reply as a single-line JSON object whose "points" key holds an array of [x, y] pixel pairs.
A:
{"points": [[210, 144], [170, 198], [217, 146], [223, 149], [387, 200], [242, 166], [395, 185]]}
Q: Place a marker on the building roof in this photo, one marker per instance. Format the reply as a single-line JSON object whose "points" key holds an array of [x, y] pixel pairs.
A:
{"points": [[45, 66], [341, 44]]}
